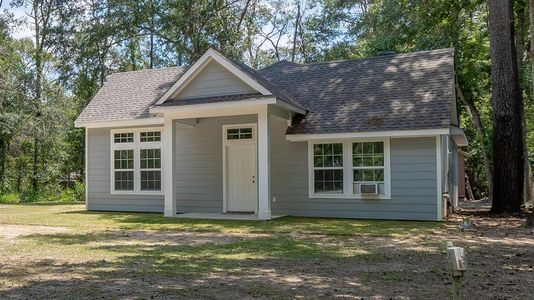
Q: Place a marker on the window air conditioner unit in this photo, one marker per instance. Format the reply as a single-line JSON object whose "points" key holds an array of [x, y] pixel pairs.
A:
{"points": [[369, 189]]}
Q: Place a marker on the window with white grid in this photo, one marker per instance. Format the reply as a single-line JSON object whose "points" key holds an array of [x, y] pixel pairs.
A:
{"points": [[136, 156]]}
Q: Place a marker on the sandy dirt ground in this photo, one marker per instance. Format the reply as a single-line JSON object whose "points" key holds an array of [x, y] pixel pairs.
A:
{"points": [[500, 255]]}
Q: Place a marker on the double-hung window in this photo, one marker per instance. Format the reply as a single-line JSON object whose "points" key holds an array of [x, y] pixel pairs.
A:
{"points": [[328, 168], [136, 157], [150, 169], [368, 168], [124, 169], [350, 169]]}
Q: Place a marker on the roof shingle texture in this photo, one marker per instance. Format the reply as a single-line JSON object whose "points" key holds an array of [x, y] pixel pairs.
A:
{"points": [[129, 95], [399, 92]]}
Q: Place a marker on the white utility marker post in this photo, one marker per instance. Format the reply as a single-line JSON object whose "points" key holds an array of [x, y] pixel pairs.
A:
{"points": [[457, 265]]}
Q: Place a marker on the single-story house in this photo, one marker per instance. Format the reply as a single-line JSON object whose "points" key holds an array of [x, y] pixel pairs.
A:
{"points": [[366, 138]]}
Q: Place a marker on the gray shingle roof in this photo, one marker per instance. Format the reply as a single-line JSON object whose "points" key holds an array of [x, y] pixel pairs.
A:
{"points": [[398, 92], [279, 93], [128, 95]]}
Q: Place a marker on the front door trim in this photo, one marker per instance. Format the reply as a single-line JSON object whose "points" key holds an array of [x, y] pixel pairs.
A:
{"points": [[227, 142]]}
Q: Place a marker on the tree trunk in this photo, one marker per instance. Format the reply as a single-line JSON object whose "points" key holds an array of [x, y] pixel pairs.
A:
{"points": [[529, 181], [507, 102], [531, 28], [297, 22], [151, 53], [3, 157], [19, 175], [481, 134], [38, 91], [35, 175]]}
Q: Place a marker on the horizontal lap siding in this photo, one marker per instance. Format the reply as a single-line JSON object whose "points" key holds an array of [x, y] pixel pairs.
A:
{"points": [[215, 80], [99, 181], [199, 164], [413, 182]]}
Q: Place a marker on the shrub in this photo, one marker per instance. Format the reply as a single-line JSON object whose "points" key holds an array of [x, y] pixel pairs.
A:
{"points": [[9, 198], [78, 191]]}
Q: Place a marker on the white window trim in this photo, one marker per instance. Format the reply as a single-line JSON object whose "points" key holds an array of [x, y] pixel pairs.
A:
{"points": [[136, 146], [348, 173]]}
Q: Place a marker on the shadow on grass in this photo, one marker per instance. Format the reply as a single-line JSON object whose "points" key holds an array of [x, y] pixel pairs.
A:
{"points": [[329, 226], [254, 266], [120, 264]]}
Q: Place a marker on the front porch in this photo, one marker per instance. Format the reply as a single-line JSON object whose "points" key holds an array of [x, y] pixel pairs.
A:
{"points": [[208, 171]]}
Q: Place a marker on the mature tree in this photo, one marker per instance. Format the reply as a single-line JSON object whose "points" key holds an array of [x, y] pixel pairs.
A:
{"points": [[412, 25], [507, 101]]}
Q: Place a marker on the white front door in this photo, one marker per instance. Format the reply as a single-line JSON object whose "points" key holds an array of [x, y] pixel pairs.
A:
{"points": [[241, 183]]}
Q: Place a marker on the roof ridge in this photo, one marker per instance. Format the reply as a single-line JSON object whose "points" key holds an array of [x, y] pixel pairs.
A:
{"points": [[399, 55], [261, 79], [147, 70], [279, 62]]}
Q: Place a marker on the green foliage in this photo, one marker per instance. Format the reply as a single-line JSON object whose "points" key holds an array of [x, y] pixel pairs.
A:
{"points": [[81, 44], [9, 198], [78, 191]]}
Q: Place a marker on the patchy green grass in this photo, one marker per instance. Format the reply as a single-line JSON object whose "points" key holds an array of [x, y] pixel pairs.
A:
{"points": [[75, 216], [75, 254]]}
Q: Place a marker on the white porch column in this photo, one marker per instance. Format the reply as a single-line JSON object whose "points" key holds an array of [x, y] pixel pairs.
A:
{"points": [[264, 165], [168, 164]]}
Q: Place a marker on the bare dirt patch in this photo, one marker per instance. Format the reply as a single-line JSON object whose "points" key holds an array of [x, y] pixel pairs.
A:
{"points": [[144, 264], [181, 237], [14, 231]]}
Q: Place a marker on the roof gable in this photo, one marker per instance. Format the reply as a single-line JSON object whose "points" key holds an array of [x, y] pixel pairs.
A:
{"points": [[212, 80], [204, 61]]}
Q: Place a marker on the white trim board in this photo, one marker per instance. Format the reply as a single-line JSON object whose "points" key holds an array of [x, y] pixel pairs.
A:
{"points": [[239, 104], [370, 134], [121, 123], [439, 183], [86, 174], [200, 64]]}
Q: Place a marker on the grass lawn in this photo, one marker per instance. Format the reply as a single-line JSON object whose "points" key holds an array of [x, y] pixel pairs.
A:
{"points": [[63, 251]]}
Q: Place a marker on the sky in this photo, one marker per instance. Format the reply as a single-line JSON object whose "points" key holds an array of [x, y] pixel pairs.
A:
{"points": [[19, 13]]}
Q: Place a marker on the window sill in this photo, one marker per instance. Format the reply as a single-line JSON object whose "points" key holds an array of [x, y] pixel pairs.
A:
{"points": [[344, 196], [140, 193]]}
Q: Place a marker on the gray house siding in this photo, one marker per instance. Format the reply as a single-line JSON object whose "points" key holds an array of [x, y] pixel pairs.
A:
{"points": [[99, 195], [199, 164], [214, 79], [413, 182], [199, 181]]}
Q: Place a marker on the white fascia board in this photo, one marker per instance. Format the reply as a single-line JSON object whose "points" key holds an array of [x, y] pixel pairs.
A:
{"points": [[203, 62], [121, 123], [198, 110], [371, 134], [193, 108], [236, 71]]}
